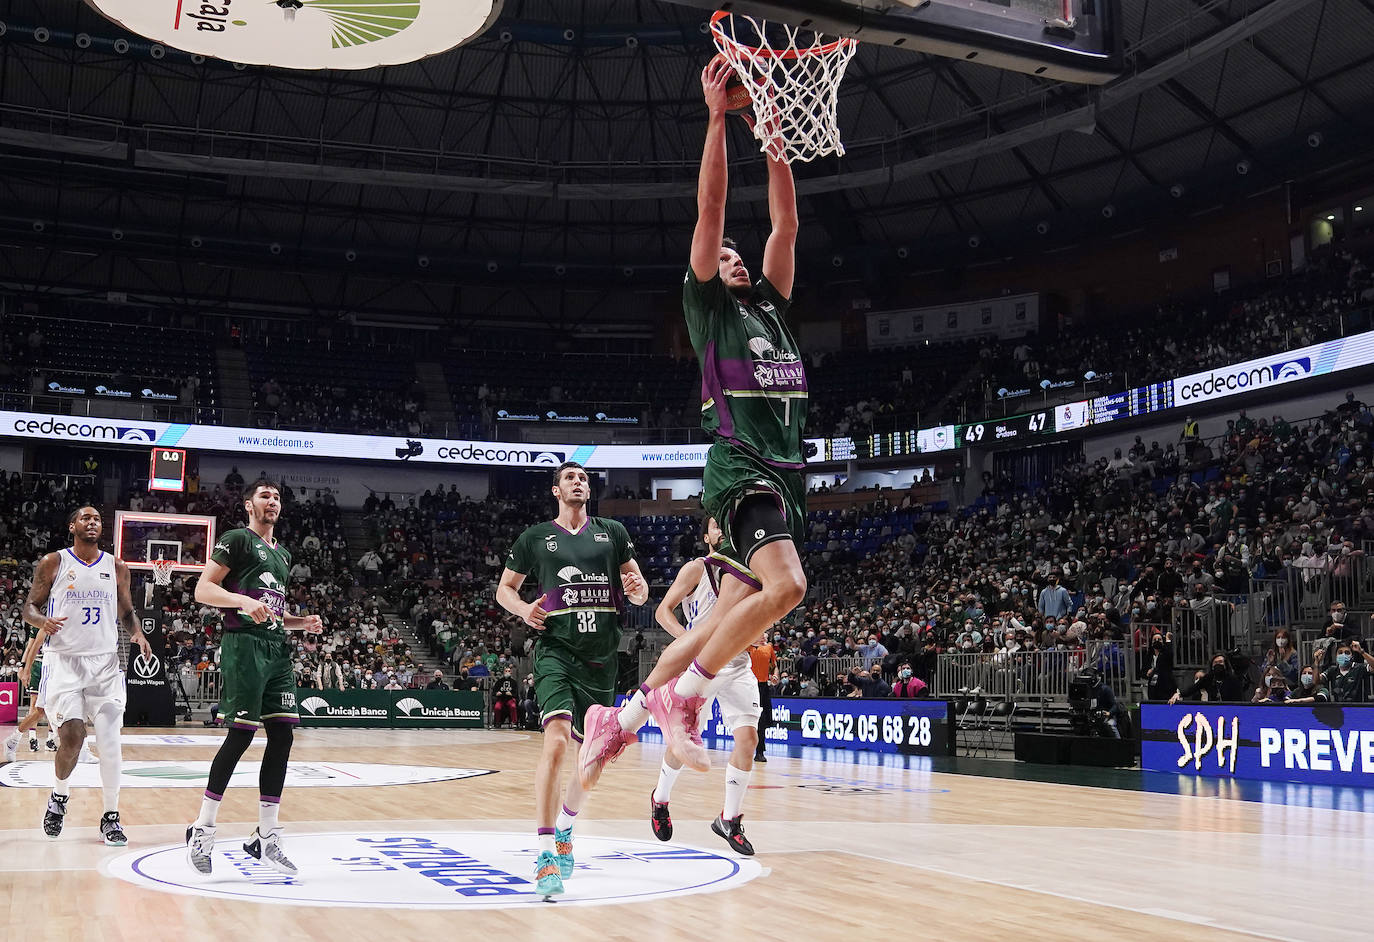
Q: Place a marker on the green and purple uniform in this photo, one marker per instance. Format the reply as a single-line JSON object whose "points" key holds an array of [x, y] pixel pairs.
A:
{"points": [[578, 575], [259, 683], [753, 401]]}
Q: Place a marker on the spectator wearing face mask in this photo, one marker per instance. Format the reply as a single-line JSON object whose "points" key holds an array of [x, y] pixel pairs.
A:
{"points": [[1336, 625], [1310, 688], [1346, 679], [908, 685], [1219, 684], [1160, 685], [788, 686], [1283, 656], [1054, 599], [1272, 689], [866, 686]]}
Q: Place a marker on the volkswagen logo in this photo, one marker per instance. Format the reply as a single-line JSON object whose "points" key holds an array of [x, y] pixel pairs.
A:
{"points": [[147, 667]]}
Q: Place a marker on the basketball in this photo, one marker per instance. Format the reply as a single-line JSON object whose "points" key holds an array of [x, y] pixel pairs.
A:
{"points": [[737, 97]]}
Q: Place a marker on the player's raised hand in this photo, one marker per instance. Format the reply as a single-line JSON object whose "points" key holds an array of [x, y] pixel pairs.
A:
{"points": [[535, 614], [53, 625], [255, 609], [713, 79]]}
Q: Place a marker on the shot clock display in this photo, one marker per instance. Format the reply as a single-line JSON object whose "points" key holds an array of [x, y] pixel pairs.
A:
{"points": [[167, 470]]}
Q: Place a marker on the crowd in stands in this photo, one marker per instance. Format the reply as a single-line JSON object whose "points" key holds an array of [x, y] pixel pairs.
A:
{"points": [[151, 365], [1104, 551], [339, 384], [336, 386], [1144, 556]]}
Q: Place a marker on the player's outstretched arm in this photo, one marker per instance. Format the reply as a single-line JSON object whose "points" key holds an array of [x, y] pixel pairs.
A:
{"points": [[714, 179], [683, 584], [126, 609], [780, 253], [44, 575]]}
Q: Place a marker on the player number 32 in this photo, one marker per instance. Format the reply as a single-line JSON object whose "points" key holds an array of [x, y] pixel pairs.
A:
{"points": [[586, 623]]}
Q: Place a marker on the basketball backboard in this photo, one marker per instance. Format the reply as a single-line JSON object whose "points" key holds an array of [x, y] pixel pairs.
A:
{"points": [[1065, 40], [141, 538], [307, 34]]}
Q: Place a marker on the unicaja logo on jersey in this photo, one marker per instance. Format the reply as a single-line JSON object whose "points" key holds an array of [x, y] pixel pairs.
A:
{"points": [[761, 346], [571, 574], [270, 581]]}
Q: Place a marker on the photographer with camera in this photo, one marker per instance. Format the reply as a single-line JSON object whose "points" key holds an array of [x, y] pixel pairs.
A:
{"points": [[1220, 684], [1094, 710]]}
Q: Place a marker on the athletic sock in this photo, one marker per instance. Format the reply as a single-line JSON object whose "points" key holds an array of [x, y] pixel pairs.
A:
{"points": [[694, 681], [566, 819], [546, 840], [635, 712], [62, 788], [667, 776], [736, 785], [268, 808], [209, 810]]}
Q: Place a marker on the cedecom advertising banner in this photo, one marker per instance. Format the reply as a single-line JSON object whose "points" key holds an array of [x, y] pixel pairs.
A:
{"points": [[1275, 370], [82, 429], [1327, 744]]}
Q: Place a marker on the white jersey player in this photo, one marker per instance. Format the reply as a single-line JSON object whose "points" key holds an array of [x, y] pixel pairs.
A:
{"points": [[696, 587], [79, 599]]}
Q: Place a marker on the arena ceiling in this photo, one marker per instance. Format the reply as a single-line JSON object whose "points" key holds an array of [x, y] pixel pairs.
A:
{"points": [[546, 170]]}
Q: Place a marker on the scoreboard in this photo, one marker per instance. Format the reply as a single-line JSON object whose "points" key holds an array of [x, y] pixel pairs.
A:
{"points": [[167, 470], [1013, 428]]}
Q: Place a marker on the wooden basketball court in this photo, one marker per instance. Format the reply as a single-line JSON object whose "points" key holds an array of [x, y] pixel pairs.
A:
{"points": [[849, 845]]}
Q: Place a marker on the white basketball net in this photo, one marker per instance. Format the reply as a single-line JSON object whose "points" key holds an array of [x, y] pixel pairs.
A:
{"points": [[794, 85], [162, 571]]}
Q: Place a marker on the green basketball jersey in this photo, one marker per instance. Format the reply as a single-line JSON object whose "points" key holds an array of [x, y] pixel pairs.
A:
{"points": [[578, 575], [753, 383], [257, 569], [33, 633]]}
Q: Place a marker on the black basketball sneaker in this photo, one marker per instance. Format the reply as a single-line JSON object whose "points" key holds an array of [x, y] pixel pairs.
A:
{"points": [[733, 832], [112, 832], [55, 814], [659, 819]]}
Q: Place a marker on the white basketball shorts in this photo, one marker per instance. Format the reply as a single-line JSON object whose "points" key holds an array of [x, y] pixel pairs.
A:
{"points": [[737, 692], [76, 687]]}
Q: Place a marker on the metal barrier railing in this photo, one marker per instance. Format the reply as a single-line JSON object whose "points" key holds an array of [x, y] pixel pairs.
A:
{"points": [[1036, 675]]}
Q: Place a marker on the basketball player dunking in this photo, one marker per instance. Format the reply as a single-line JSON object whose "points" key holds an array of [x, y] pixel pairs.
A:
{"points": [[696, 587], [753, 402], [79, 598], [247, 575]]}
